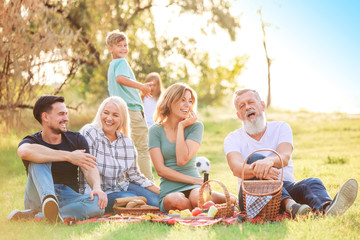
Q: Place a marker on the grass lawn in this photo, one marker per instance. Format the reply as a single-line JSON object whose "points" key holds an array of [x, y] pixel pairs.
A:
{"points": [[326, 146]]}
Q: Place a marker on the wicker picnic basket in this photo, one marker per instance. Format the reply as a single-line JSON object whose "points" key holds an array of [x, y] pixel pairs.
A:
{"points": [[261, 188], [120, 209], [227, 210]]}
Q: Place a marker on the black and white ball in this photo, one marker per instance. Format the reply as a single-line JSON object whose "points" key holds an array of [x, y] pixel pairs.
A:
{"points": [[202, 164]]}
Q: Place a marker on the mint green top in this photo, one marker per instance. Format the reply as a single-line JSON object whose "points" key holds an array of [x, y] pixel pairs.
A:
{"points": [[158, 139], [130, 95]]}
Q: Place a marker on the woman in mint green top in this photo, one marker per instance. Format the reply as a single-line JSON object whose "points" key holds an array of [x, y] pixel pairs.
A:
{"points": [[173, 142]]}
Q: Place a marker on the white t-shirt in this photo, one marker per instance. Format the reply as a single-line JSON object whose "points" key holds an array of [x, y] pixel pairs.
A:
{"points": [[276, 133], [149, 109]]}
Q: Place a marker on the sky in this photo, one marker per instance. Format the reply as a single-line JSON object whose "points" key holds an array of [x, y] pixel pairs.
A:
{"points": [[314, 46]]}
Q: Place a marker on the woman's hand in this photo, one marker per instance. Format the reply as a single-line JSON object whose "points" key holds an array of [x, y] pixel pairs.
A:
{"points": [[189, 121]]}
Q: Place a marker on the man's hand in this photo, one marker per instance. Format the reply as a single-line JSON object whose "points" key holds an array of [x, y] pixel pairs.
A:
{"points": [[82, 159], [103, 200], [146, 89], [273, 174], [261, 168]]}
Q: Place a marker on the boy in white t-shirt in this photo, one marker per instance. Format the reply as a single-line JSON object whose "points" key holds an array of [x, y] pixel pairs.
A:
{"points": [[299, 197]]}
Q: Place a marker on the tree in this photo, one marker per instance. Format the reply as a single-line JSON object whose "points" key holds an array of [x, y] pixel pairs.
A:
{"points": [[31, 38], [268, 60], [72, 33]]}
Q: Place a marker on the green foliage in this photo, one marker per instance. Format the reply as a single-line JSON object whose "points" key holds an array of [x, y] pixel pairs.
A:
{"points": [[308, 159], [337, 160]]}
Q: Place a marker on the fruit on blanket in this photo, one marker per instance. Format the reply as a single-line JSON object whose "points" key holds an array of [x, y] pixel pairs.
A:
{"points": [[208, 204], [212, 211], [174, 212], [185, 213], [196, 211]]}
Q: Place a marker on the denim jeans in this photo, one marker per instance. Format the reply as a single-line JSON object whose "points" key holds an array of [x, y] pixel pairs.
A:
{"points": [[310, 191], [133, 191], [71, 204]]}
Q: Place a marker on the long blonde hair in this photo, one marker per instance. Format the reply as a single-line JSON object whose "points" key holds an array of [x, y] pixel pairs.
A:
{"points": [[172, 94], [124, 115]]}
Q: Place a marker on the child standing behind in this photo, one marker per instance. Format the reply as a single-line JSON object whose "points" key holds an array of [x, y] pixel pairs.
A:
{"points": [[122, 83], [150, 102]]}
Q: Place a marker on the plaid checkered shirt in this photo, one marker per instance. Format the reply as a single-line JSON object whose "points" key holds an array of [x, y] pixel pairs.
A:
{"points": [[116, 162]]}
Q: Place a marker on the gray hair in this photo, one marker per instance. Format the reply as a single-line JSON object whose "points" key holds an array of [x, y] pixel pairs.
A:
{"points": [[242, 91]]}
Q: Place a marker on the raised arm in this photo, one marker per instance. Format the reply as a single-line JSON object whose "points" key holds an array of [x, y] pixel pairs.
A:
{"points": [[38, 153], [185, 148], [144, 88], [168, 173]]}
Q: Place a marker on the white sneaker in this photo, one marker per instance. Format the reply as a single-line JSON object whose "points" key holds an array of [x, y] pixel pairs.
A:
{"points": [[21, 215], [50, 209], [343, 199]]}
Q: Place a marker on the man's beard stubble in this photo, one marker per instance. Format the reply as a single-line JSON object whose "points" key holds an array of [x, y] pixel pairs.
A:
{"points": [[256, 127]]}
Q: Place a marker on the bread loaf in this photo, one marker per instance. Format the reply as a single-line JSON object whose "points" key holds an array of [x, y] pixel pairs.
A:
{"points": [[122, 202], [137, 203], [131, 204]]}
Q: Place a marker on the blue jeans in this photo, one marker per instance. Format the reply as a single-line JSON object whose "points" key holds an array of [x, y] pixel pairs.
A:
{"points": [[310, 191], [133, 191], [71, 204]]}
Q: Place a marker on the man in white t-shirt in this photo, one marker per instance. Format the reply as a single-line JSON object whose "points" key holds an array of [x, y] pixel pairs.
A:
{"points": [[299, 197]]}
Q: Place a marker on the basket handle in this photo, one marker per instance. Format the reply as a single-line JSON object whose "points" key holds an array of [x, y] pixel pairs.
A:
{"points": [[243, 170], [226, 192]]}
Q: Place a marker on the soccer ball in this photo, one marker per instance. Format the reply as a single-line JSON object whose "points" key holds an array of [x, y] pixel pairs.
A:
{"points": [[202, 164]]}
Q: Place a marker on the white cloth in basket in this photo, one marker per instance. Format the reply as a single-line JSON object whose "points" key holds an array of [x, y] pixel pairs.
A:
{"points": [[254, 204]]}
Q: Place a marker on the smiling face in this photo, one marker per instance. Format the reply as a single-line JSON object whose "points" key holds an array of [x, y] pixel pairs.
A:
{"points": [[110, 119], [248, 106], [251, 111], [183, 107], [56, 119], [119, 49]]}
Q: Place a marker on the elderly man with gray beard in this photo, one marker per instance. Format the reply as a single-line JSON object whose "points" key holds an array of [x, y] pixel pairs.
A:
{"points": [[298, 197]]}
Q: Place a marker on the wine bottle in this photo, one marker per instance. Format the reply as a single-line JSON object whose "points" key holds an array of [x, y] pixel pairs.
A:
{"points": [[207, 189]]}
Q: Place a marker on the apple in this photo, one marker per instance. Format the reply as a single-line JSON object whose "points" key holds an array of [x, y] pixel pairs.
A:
{"points": [[208, 204], [196, 211]]}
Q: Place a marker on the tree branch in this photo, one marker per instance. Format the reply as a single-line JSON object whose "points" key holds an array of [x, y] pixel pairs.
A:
{"points": [[135, 13], [70, 75], [26, 106]]}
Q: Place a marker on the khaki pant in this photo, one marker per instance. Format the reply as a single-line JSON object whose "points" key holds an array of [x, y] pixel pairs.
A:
{"points": [[139, 135]]}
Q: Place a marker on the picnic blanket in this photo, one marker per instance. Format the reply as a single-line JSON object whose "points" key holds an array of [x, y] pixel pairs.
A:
{"points": [[239, 217]]}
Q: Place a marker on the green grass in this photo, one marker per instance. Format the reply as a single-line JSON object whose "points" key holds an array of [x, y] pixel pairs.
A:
{"points": [[326, 146]]}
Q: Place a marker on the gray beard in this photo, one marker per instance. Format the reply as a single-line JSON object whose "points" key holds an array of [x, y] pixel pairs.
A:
{"points": [[256, 127]]}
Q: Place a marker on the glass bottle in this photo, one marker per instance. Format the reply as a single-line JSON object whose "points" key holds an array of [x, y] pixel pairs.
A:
{"points": [[207, 189]]}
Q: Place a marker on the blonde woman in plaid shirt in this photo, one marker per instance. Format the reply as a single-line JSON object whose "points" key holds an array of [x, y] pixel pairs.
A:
{"points": [[116, 156]]}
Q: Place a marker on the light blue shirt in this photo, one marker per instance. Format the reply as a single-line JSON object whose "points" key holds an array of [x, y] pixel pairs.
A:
{"points": [[130, 95]]}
